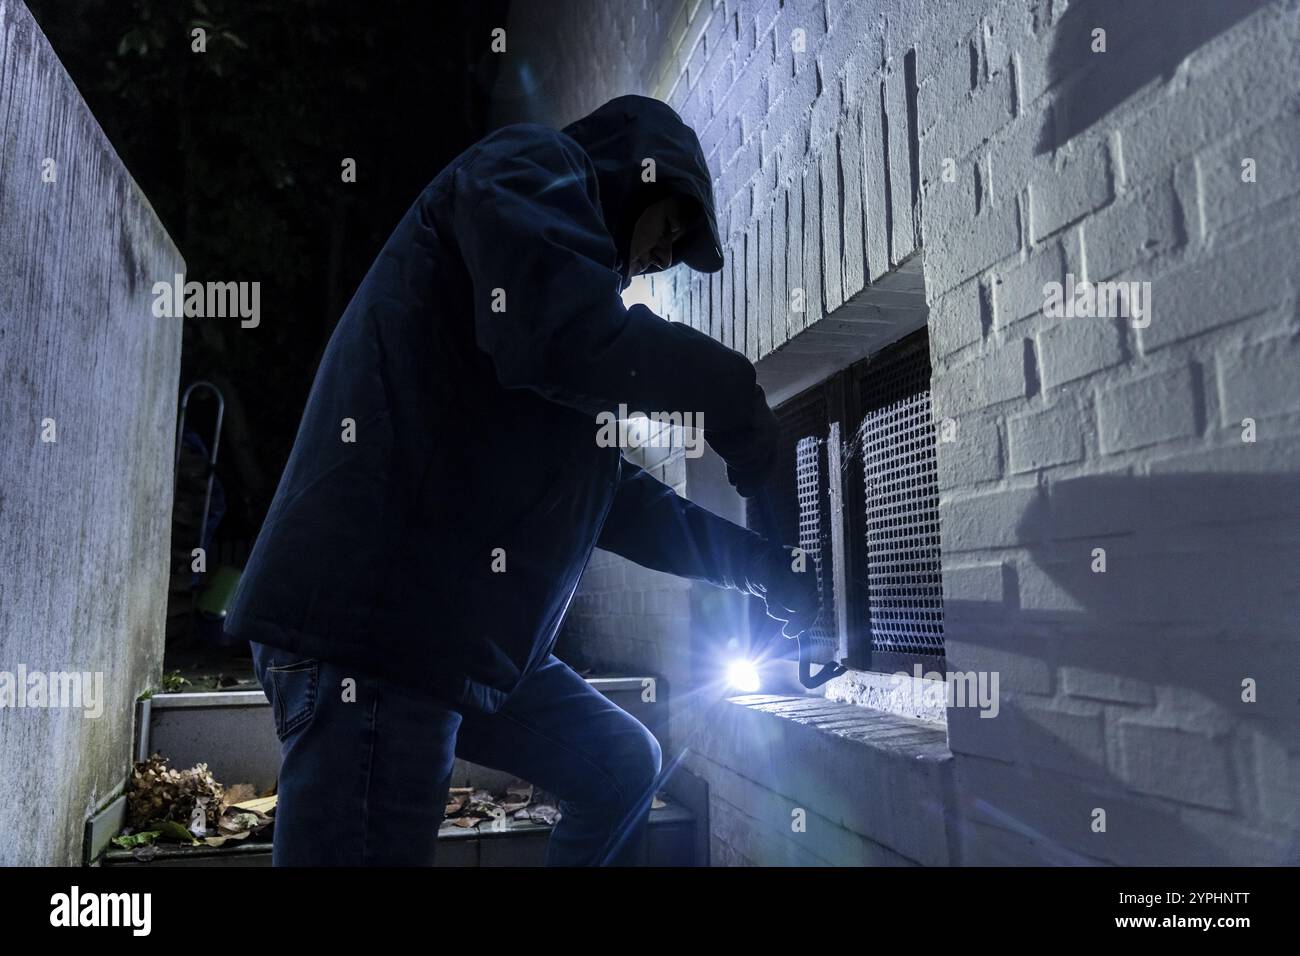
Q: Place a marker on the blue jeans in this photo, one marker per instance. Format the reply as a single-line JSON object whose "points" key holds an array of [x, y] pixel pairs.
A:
{"points": [[366, 765]]}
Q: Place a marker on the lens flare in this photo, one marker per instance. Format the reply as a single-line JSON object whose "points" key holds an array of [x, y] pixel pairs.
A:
{"points": [[743, 675]]}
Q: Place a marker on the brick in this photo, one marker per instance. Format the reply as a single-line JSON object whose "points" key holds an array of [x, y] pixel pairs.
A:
{"points": [[1062, 735], [1151, 410], [715, 304], [948, 204], [948, 87], [1225, 198], [988, 520], [755, 842], [752, 318], [1278, 780], [989, 238], [853, 255], [825, 115], [728, 312], [1133, 230], [972, 121], [779, 253], [764, 186], [744, 166], [1019, 669], [902, 239], [1057, 589], [1098, 685], [974, 455], [874, 198], [831, 258], [764, 316], [793, 101], [976, 583], [957, 319], [748, 92], [1259, 381], [1018, 288], [1094, 505], [812, 257], [1076, 348], [1182, 765], [1013, 159], [862, 72], [1044, 439], [973, 736], [738, 298], [847, 28], [1221, 287], [809, 16], [1081, 183], [795, 321], [997, 375]]}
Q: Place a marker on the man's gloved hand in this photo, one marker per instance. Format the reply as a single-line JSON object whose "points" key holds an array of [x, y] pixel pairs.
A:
{"points": [[792, 596], [749, 451]]}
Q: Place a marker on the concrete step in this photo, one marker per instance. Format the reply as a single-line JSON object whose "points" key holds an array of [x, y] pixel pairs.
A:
{"points": [[670, 841], [234, 734]]}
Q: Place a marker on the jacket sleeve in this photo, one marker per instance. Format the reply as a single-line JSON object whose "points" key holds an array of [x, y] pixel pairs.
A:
{"points": [[651, 524], [546, 302]]}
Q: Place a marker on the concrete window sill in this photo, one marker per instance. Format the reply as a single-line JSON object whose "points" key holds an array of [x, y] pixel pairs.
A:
{"points": [[880, 778]]}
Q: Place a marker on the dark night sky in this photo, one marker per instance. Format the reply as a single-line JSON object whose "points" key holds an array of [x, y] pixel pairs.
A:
{"points": [[239, 149]]}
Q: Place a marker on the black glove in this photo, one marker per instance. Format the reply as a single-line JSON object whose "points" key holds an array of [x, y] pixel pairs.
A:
{"points": [[749, 451], [792, 597]]}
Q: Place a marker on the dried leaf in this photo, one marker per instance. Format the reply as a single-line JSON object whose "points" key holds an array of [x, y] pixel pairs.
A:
{"points": [[544, 813], [220, 840], [157, 792], [263, 805], [237, 822], [236, 793]]}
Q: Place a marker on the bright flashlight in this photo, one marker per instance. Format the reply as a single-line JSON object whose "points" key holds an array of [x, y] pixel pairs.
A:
{"points": [[743, 675]]}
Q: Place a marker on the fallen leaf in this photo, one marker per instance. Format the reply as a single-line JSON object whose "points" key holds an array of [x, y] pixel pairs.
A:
{"points": [[174, 831], [236, 793], [263, 805]]}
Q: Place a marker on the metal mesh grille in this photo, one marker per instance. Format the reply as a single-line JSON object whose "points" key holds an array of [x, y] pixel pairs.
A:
{"points": [[815, 538], [801, 506], [901, 501]]}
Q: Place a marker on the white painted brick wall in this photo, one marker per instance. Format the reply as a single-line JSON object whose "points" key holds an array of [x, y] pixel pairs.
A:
{"points": [[1123, 688]]}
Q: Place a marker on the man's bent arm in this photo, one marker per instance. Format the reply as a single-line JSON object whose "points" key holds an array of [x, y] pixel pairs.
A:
{"points": [[651, 524]]}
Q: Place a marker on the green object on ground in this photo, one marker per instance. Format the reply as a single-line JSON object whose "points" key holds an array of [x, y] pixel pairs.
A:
{"points": [[220, 590]]}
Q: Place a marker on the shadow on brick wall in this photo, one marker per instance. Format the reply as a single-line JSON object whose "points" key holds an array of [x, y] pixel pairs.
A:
{"points": [[1124, 687], [1144, 41]]}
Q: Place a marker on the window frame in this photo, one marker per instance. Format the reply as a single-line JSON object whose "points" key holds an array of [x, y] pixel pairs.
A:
{"points": [[848, 547]]}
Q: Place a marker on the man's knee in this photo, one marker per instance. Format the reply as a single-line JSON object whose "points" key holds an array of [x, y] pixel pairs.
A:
{"points": [[643, 762]]}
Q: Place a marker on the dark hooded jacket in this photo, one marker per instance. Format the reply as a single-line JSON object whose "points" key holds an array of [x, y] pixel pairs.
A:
{"points": [[446, 486]]}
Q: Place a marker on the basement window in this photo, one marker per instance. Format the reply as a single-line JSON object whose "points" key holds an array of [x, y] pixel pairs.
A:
{"points": [[857, 490]]}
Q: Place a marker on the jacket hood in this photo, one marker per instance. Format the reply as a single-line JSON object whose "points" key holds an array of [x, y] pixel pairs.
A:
{"points": [[619, 137]]}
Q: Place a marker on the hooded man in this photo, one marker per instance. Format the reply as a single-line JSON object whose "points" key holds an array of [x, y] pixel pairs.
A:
{"points": [[446, 489]]}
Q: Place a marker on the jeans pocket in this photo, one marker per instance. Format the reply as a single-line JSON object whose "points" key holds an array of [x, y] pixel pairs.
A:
{"points": [[293, 694]]}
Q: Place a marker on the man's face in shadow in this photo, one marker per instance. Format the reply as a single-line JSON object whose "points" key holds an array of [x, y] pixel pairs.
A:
{"points": [[659, 226]]}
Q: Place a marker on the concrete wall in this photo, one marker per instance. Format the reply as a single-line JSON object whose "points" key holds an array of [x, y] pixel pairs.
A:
{"points": [[85, 518], [993, 139]]}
